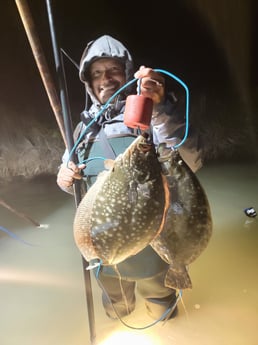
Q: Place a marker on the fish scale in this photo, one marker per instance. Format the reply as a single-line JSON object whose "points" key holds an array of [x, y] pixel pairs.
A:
{"points": [[188, 224], [124, 209]]}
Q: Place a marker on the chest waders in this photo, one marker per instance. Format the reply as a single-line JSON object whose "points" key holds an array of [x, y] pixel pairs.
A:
{"points": [[100, 149]]}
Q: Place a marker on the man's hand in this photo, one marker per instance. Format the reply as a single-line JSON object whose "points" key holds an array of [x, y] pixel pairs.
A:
{"points": [[152, 84], [68, 173]]}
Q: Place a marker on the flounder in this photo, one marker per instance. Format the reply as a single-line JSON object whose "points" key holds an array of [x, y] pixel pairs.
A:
{"points": [[124, 209], [188, 226]]}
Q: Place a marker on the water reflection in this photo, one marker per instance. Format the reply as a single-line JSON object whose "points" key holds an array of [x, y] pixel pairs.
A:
{"points": [[42, 288]]}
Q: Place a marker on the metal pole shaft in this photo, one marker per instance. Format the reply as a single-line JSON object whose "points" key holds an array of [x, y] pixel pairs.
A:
{"points": [[69, 134], [41, 63], [65, 128]]}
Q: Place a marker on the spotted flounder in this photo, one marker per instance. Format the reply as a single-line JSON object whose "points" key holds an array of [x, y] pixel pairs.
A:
{"points": [[188, 226], [124, 209]]}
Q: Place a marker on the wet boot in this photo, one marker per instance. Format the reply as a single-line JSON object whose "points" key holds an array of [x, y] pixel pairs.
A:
{"points": [[118, 309], [162, 308]]}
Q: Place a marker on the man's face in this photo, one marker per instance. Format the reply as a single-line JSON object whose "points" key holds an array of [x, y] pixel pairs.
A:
{"points": [[107, 75]]}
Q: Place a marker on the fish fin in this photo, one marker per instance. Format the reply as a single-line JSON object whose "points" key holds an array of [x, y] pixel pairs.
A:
{"points": [[108, 164], [166, 205], [132, 192], [178, 279]]}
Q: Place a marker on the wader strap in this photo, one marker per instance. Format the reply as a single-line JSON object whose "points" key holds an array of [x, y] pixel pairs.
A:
{"points": [[105, 145]]}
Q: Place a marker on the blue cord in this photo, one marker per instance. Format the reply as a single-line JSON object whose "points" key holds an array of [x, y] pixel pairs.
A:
{"points": [[17, 238], [97, 116], [121, 89], [91, 159], [163, 317], [186, 103]]}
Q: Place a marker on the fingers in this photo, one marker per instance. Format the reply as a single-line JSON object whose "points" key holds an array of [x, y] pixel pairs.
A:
{"points": [[147, 72], [75, 170], [152, 84], [68, 173]]}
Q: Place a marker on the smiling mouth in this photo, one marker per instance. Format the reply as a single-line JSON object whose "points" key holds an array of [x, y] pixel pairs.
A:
{"points": [[108, 89]]}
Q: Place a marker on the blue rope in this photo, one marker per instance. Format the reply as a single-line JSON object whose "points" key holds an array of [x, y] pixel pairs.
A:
{"points": [[163, 317], [98, 115], [13, 235], [121, 89], [99, 264], [186, 103], [92, 159]]}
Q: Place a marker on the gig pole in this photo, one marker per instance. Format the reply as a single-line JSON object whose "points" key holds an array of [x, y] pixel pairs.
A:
{"points": [[55, 103], [41, 63], [69, 136]]}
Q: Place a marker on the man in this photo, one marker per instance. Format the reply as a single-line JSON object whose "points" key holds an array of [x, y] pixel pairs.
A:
{"points": [[106, 65]]}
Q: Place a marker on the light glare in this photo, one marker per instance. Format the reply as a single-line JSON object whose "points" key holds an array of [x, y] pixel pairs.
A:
{"points": [[128, 338]]}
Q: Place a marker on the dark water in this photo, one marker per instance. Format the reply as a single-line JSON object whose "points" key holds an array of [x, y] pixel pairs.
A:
{"points": [[42, 289]]}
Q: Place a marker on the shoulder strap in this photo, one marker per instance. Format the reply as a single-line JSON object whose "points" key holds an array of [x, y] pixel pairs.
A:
{"points": [[105, 145]]}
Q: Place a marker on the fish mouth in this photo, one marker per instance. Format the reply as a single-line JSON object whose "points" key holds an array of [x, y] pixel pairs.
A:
{"points": [[141, 146], [144, 147], [145, 135]]}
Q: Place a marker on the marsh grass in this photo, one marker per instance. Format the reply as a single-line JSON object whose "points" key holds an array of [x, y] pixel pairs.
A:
{"points": [[31, 145], [28, 147]]}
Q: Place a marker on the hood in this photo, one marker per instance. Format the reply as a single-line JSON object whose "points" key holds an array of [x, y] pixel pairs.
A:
{"points": [[104, 46]]}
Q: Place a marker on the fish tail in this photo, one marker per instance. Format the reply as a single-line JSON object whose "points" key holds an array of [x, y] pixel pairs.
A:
{"points": [[178, 279]]}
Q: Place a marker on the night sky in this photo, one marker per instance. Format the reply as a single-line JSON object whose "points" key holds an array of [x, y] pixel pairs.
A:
{"points": [[175, 40]]}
